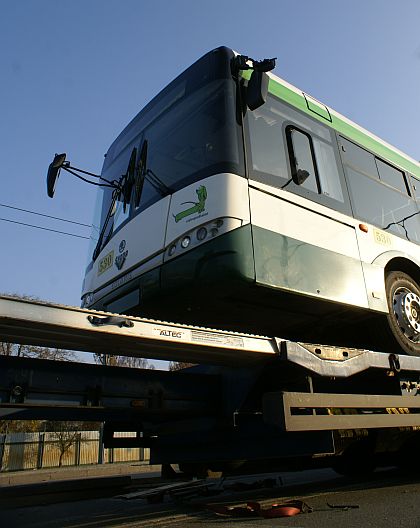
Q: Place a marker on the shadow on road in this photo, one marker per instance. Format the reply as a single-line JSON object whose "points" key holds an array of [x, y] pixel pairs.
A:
{"points": [[87, 511]]}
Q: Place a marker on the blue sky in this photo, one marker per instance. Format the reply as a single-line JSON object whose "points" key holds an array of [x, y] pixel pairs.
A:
{"points": [[73, 74]]}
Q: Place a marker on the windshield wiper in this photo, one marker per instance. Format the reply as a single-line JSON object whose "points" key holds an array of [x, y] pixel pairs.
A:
{"points": [[123, 188], [115, 195], [157, 183], [143, 173], [125, 185]]}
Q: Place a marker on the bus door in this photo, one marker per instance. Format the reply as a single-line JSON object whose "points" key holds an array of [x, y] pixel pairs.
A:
{"points": [[305, 240]]}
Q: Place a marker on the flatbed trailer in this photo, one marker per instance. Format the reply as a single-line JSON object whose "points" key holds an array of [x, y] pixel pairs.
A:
{"points": [[249, 398]]}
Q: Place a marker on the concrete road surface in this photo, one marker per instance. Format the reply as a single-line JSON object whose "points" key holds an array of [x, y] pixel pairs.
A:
{"points": [[388, 499]]}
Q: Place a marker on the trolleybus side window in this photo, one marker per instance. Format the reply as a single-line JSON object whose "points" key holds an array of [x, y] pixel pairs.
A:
{"points": [[327, 169], [282, 140], [301, 153], [392, 176], [358, 158], [373, 198], [415, 184]]}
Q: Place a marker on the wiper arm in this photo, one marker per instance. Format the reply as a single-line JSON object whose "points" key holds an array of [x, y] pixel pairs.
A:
{"points": [[157, 183], [116, 193], [121, 188], [125, 184], [142, 173]]}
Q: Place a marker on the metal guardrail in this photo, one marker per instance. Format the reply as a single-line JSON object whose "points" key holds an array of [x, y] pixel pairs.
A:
{"points": [[24, 451], [299, 411]]}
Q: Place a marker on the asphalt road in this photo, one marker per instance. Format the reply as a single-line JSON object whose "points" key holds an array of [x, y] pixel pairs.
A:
{"points": [[388, 499]]}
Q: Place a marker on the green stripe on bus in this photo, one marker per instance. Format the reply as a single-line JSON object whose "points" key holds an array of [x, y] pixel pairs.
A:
{"points": [[298, 101], [342, 127]]}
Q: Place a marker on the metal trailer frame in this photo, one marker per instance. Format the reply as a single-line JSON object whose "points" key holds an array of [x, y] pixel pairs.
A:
{"points": [[250, 397]]}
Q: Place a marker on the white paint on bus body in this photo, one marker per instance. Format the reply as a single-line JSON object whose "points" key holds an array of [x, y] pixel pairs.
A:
{"points": [[226, 197], [144, 236], [301, 219], [149, 233]]}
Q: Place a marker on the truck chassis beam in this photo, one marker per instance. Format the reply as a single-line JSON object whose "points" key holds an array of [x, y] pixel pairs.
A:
{"points": [[298, 411]]}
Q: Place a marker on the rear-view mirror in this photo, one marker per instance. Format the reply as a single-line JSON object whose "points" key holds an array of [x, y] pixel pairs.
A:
{"points": [[54, 172], [301, 176], [257, 90]]}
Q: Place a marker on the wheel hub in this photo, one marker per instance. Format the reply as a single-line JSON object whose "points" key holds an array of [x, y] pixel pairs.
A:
{"points": [[407, 313]]}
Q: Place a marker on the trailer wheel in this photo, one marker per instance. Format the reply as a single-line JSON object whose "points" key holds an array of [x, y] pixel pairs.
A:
{"points": [[357, 460], [403, 297], [408, 457], [194, 469]]}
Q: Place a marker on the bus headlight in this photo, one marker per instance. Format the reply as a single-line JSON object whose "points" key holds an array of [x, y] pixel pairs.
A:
{"points": [[201, 233], [185, 242], [87, 299]]}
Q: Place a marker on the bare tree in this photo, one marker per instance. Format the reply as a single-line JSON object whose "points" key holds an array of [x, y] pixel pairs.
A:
{"points": [[32, 351], [64, 435], [10, 349], [179, 365], [56, 354], [20, 426], [123, 361]]}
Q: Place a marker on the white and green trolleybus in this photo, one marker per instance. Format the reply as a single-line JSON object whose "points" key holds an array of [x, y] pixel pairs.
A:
{"points": [[235, 200]]}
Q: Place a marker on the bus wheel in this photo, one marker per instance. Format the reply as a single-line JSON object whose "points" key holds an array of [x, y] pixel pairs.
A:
{"points": [[403, 296]]}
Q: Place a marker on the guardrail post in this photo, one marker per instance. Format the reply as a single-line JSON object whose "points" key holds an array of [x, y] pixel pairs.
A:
{"points": [[101, 445], [77, 450], [40, 455], [2, 449]]}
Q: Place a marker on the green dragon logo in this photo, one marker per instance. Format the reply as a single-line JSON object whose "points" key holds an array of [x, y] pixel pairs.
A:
{"points": [[198, 207]]}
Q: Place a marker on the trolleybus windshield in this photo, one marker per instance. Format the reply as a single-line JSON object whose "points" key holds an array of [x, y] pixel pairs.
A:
{"points": [[191, 133]]}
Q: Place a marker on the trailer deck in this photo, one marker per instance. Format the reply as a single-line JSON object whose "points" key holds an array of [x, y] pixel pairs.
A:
{"points": [[249, 397]]}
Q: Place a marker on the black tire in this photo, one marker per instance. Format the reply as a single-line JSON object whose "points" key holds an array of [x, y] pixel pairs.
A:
{"points": [[358, 460], [194, 469], [403, 297], [408, 457]]}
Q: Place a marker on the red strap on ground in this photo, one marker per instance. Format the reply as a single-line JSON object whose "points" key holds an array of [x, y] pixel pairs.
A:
{"points": [[254, 509]]}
